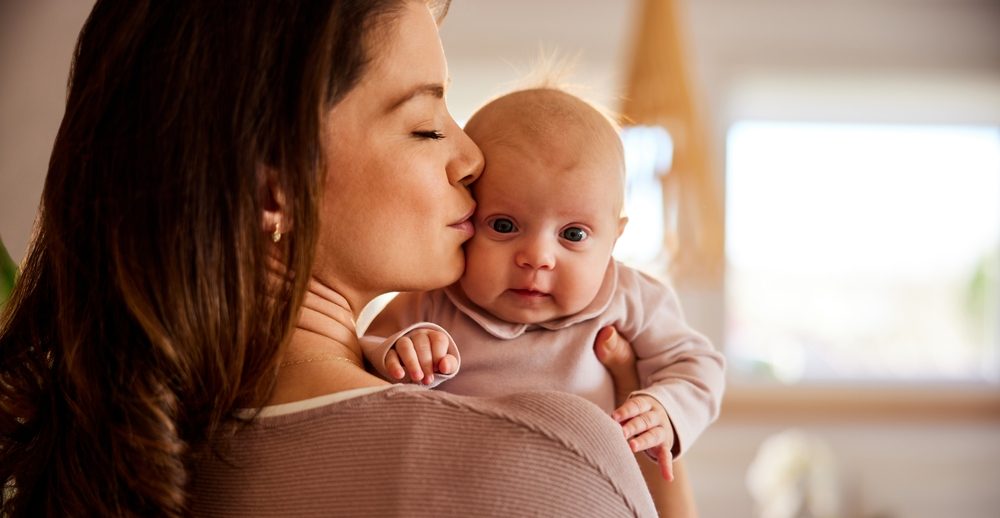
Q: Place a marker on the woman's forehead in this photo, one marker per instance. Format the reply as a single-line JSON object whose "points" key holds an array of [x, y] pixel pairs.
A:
{"points": [[407, 64]]}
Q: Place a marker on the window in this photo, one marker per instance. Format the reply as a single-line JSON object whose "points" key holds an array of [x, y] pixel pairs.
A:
{"points": [[862, 252], [648, 154]]}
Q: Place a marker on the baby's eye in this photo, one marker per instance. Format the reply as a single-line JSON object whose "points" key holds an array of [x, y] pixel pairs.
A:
{"points": [[574, 234], [503, 225]]}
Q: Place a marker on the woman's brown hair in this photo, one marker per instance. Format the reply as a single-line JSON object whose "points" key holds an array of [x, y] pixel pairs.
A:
{"points": [[143, 314]]}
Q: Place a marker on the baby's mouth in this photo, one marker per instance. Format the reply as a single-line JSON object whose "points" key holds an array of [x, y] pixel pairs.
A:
{"points": [[529, 293]]}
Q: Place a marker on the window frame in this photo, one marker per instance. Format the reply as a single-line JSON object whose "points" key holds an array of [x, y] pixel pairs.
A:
{"points": [[853, 96]]}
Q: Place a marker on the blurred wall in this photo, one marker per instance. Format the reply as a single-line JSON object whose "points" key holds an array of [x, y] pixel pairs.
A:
{"points": [[492, 46], [36, 44]]}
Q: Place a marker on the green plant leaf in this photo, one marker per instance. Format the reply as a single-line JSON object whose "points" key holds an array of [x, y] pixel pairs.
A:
{"points": [[8, 273]]}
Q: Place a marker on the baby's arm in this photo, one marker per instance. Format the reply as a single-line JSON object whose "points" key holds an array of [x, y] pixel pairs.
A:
{"points": [[643, 419], [672, 493], [420, 349], [682, 375]]}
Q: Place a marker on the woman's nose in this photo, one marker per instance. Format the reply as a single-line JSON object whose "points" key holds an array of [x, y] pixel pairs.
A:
{"points": [[537, 254], [466, 167]]}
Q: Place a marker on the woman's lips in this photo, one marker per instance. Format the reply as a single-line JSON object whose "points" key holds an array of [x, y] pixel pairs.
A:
{"points": [[464, 225]]}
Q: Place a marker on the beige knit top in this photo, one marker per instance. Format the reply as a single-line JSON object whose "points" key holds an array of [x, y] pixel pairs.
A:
{"points": [[407, 451]]}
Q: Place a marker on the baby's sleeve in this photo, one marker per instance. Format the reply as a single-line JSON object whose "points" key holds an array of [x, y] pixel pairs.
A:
{"points": [[677, 366]]}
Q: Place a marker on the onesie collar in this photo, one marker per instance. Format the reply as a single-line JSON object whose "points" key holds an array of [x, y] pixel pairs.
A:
{"points": [[508, 330]]}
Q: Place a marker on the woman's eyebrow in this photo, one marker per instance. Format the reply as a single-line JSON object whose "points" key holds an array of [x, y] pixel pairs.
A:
{"points": [[433, 89]]}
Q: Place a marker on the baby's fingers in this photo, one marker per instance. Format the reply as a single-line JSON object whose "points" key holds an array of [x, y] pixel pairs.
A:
{"points": [[666, 461], [408, 356], [393, 365], [439, 349], [647, 439], [632, 407], [423, 347], [642, 423], [448, 364]]}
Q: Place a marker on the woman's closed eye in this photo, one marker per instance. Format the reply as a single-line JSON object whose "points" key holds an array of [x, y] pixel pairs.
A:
{"points": [[430, 134]]}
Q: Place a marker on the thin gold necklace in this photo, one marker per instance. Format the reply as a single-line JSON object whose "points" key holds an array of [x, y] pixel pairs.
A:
{"points": [[323, 358]]}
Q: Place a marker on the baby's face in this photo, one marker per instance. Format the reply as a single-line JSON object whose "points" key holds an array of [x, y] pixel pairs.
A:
{"points": [[546, 221]]}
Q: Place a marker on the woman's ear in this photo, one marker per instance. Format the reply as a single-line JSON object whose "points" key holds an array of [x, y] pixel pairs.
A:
{"points": [[274, 217]]}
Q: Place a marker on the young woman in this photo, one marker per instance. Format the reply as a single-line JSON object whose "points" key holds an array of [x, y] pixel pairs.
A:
{"points": [[229, 187]]}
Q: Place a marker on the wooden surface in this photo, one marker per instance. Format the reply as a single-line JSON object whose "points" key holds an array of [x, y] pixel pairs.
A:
{"points": [[872, 403]]}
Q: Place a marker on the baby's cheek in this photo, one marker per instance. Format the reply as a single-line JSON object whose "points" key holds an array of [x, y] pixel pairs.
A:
{"points": [[479, 277], [472, 256], [582, 290]]}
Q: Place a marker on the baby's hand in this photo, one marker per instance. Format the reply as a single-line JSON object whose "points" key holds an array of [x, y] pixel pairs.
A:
{"points": [[420, 353], [647, 427]]}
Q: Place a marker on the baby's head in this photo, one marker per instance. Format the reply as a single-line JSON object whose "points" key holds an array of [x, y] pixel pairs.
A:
{"points": [[549, 205]]}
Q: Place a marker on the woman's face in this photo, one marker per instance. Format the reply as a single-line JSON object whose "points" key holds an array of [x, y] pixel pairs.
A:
{"points": [[396, 209]]}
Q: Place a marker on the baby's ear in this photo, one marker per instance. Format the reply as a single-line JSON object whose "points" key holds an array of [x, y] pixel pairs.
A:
{"points": [[622, 221]]}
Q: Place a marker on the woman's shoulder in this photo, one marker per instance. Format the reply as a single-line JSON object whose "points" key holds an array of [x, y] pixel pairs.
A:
{"points": [[566, 417], [462, 454], [547, 428], [571, 417]]}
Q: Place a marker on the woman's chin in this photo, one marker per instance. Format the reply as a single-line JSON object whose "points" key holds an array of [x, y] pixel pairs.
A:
{"points": [[452, 278], [439, 275], [454, 271]]}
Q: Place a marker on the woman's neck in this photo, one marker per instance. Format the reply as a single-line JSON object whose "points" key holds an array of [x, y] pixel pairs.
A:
{"points": [[323, 354]]}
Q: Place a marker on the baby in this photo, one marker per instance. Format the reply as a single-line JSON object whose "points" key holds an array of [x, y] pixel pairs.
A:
{"points": [[540, 284]]}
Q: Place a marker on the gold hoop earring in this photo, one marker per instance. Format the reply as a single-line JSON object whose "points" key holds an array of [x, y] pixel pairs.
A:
{"points": [[276, 236]]}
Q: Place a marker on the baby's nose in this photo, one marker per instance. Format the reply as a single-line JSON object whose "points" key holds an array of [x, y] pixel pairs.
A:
{"points": [[537, 255]]}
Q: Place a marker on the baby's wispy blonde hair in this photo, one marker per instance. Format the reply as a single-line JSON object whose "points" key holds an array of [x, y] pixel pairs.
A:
{"points": [[552, 70]]}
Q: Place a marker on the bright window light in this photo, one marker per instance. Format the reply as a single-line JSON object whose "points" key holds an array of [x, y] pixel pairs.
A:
{"points": [[648, 155], [863, 252]]}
